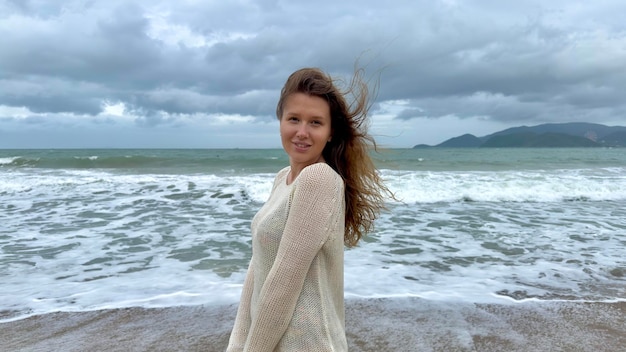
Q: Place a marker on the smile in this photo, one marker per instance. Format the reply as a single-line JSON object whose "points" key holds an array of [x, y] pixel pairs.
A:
{"points": [[301, 146]]}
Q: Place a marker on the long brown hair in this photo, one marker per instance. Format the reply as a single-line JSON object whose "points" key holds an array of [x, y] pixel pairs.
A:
{"points": [[348, 150]]}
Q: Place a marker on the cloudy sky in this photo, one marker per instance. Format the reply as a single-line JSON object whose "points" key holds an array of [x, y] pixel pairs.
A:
{"points": [[206, 73]]}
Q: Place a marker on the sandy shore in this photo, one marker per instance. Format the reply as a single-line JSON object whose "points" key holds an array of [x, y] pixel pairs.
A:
{"points": [[372, 325]]}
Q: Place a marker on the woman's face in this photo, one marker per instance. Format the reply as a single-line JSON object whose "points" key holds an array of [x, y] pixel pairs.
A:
{"points": [[305, 128]]}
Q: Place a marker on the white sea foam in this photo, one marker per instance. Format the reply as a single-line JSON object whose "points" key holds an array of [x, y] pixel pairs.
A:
{"points": [[7, 161], [508, 186], [89, 239]]}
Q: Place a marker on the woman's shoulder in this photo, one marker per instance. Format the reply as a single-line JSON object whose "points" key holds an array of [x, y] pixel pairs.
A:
{"points": [[281, 177], [283, 172], [320, 173]]}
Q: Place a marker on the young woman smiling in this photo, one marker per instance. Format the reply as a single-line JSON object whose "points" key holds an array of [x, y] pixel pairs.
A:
{"points": [[328, 197]]}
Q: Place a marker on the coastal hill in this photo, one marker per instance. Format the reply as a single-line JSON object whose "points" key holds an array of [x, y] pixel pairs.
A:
{"points": [[552, 135]]}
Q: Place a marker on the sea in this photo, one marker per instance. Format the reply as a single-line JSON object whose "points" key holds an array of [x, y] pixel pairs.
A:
{"points": [[84, 230]]}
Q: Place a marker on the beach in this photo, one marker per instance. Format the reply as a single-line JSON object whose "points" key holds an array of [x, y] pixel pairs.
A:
{"points": [[403, 324], [515, 249]]}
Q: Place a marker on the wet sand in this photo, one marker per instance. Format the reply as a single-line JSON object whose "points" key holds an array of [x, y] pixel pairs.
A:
{"points": [[407, 324]]}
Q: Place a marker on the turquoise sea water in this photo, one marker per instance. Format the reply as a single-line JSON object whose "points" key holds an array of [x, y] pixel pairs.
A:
{"points": [[95, 229]]}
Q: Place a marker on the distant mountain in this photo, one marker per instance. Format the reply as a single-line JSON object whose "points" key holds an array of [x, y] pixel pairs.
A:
{"points": [[533, 140], [615, 139], [591, 131], [464, 141], [558, 135]]}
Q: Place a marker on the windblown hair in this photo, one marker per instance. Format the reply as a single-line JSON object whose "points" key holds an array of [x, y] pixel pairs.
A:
{"points": [[348, 150]]}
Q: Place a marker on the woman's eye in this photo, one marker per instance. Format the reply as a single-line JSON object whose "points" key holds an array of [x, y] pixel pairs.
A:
{"points": [[316, 123]]}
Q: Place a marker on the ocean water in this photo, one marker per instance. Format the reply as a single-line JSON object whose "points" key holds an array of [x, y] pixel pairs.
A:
{"points": [[97, 229]]}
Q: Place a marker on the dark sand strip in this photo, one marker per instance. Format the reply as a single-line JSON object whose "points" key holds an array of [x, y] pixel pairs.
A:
{"points": [[406, 324]]}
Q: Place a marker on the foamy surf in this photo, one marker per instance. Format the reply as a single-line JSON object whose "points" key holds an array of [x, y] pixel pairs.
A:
{"points": [[90, 238]]}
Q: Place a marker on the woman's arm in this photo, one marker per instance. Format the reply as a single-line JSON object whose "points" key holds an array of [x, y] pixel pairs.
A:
{"points": [[318, 194], [241, 328], [242, 323]]}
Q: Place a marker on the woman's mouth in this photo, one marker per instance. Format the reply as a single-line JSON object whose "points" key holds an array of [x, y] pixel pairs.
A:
{"points": [[302, 147]]}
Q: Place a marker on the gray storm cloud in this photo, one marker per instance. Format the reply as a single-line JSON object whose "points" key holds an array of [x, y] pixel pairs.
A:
{"points": [[170, 63]]}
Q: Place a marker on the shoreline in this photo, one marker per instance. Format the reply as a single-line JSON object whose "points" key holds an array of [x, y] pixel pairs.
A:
{"points": [[385, 324]]}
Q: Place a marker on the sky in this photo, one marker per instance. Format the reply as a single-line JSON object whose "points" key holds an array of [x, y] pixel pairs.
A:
{"points": [[207, 73]]}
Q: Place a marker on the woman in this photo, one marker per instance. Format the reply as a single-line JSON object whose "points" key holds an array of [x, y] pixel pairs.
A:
{"points": [[328, 196]]}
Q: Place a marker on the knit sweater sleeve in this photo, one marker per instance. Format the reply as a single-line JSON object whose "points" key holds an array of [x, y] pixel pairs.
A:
{"points": [[241, 328], [315, 197], [242, 321]]}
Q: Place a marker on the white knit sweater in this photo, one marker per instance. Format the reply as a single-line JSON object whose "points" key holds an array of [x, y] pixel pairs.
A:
{"points": [[292, 298]]}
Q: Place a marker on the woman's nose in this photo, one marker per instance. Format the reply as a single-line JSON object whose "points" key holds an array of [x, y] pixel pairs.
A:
{"points": [[302, 131]]}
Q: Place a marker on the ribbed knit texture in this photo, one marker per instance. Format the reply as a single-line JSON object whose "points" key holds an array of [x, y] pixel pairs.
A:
{"points": [[292, 298]]}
